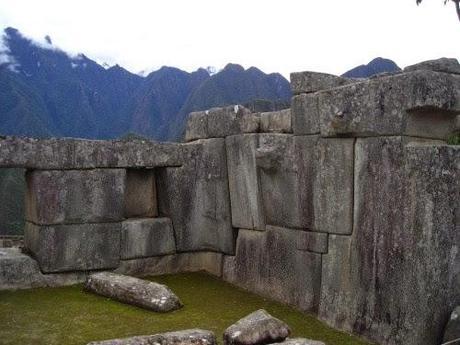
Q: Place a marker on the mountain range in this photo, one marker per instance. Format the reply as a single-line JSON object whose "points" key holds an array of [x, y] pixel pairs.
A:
{"points": [[46, 92]]}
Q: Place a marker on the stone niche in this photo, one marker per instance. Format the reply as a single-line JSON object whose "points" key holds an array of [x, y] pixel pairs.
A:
{"points": [[140, 194]]}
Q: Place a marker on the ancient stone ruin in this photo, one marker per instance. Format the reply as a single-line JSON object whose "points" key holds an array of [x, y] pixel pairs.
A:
{"points": [[346, 205]]}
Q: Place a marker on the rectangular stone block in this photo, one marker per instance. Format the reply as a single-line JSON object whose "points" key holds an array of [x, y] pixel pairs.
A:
{"points": [[260, 265], [308, 82], [197, 126], [209, 262], [286, 173], [333, 186], [380, 106], [61, 248], [75, 196], [196, 198], [73, 154], [245, 195], [315, 242], [276, 121], [141, 193], [147, 237], [305, 114]]}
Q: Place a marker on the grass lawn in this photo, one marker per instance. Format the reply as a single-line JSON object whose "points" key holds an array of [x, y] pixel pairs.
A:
{"points": [[70, 316]]}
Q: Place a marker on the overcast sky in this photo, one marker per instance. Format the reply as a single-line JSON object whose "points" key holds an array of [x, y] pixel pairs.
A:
{"points": [[275, 36]]}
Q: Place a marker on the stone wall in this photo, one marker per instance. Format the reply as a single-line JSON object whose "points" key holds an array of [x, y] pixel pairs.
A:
{"points": [[346, 205]]}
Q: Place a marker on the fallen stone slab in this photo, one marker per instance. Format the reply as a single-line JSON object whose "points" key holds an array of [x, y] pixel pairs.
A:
{"points": [[301, 341], [187, 337], [452, 331], [257, 328], [135, 291]]}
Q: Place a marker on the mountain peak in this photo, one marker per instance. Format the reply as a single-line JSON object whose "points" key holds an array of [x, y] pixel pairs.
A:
{"points": [[233, 67], [376, 66]]}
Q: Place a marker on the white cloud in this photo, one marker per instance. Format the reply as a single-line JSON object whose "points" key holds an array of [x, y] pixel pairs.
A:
{"points": [[5, 56], [275, 36]]}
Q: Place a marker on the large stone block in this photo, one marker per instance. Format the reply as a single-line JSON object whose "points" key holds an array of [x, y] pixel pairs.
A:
{"points": [[221, 122], [245, 194], [276, 121], [444, 65], [75, 196], [49, 154], [307, 82], [60, 248], [420, 103], [305, 114], [405, 239], [146, 237], [140, 193], [286, 171], [260, 266], [333, 187], [209, 262], [20, 271], [196, 198]]}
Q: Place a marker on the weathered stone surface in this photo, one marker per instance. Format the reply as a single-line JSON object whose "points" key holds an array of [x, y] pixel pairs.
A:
{"points": [[260, 266], [209, 262], [307, 82], [405, 239], [197, 126], [286, 178], [301, 341], [60, 248], [276, 121], [196, 198], [445, 65], [333, 186], [315, 242], [245, 194], [452, 331], [75, 196], [305, 114], [146, 237], [130, 290], [258, 328], [20, 271], [382, 106], [221, 122], [187, 337], [140, 193], [87, 154]]}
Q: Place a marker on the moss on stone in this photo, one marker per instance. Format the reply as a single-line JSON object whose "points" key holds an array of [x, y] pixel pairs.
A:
{"points": [[69, 316]]}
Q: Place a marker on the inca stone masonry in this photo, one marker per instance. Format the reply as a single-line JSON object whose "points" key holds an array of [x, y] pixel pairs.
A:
{"points": [[346, 205]]}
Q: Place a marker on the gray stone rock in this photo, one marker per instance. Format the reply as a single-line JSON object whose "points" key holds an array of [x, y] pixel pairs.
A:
{"points": [[301, 341], [452, 331], [305, 114], [260, 262], [75, 196], [51, 154], [404, 239], [258, 328], [307, 82], [245, 194], [134, 291], [196, 198], [420, 103], [276, 121], [209, 262], [445, 65], [20, 271], [187, 337], [83, 247], [333, 186], [221, 122], [286, 179], [315, 242], [140, 193], [146, 237]]}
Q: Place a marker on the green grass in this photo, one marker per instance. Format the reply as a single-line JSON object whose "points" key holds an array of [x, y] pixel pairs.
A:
{"points": [[454, 139], [69, 316]]}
